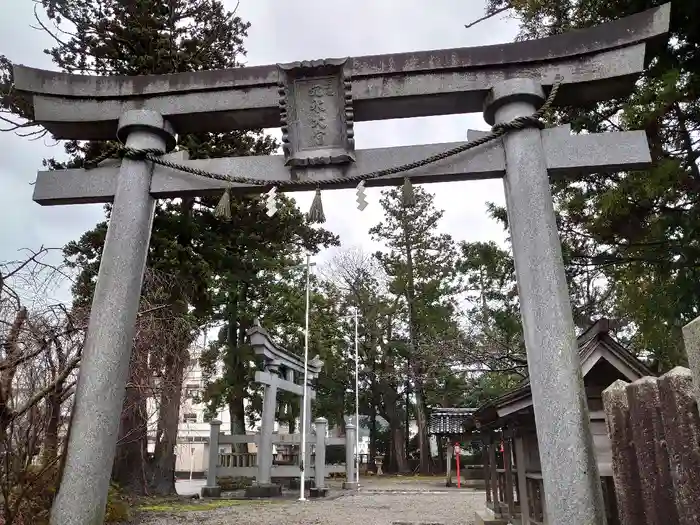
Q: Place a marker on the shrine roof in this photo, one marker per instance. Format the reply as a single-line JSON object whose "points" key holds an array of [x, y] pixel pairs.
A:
{"points": [[594, 344], [449, 421]]}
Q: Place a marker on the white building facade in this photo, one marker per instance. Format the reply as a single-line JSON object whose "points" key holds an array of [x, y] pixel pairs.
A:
{"points": [[192, 449]]}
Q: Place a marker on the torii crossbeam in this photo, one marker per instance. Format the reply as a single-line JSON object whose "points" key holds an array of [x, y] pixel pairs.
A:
{"points": [[566, 155], [316, 103]]}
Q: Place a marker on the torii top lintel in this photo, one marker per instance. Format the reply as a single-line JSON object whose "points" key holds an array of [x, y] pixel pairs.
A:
{"points": [[264, 346], [595, 64]]}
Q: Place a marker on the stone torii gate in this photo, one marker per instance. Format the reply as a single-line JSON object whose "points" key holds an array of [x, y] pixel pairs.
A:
{"points": [[275, 358], [316, 104]]}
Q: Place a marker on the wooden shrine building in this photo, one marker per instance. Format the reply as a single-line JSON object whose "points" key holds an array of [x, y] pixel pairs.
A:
{"points": [[506, 427], [448, 426]]}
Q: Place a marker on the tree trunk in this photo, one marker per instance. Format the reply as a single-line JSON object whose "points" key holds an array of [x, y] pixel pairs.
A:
{"points": [[423, 439], [238, 368], [236, 411], [395, 417], [400, 449], [421, 419], [12, 351], [341, 423], [389, 460], [53, 422], [398, 445], [163, 470], [60, 393], [162, 480], [130, 466], [372, 433]]}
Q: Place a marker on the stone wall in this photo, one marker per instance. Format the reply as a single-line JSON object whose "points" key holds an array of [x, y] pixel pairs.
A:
{"points": [[654, 427]]}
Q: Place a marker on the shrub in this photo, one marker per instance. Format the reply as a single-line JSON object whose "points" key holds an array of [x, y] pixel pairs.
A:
{"points": [[230, 483], [118, 510], [33, 496]]}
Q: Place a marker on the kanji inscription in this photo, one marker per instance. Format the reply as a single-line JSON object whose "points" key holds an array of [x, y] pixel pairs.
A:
{"points": [[319, 113], [316, 113]]}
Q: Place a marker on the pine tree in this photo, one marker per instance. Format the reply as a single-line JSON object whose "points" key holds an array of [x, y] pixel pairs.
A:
{"points": [[253, 265], [189, 244], [633, 235], [494, 335], [362, 283], [421, 265]]}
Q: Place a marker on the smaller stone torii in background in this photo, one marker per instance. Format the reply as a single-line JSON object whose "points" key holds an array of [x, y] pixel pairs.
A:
{"points": [[280, 371], [316, 103], [276, 359]]}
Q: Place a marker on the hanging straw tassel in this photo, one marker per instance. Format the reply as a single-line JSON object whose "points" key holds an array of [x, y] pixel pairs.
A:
{"points": [[407, 195], [223, 209], [316, 211]]}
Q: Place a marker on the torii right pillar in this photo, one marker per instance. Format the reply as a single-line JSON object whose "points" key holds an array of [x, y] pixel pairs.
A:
{"points": [[573, 493]]}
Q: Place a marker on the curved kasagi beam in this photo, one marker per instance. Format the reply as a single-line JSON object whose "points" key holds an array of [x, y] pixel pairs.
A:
{"points": [[263, 345], [595, 64]]}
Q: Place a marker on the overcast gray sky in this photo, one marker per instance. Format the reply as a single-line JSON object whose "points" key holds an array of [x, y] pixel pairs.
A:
{"points": [[281, 32]]}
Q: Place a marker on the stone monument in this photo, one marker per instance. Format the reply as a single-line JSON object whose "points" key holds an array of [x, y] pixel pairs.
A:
{"points": [[316, 104]]}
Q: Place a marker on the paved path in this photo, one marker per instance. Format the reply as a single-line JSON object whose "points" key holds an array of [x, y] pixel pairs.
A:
{"points": [[379, 502], [189, 487]]}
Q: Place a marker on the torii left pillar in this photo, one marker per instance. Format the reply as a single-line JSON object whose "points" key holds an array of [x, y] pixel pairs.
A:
{"points": [[104, 368], [263, 487]]}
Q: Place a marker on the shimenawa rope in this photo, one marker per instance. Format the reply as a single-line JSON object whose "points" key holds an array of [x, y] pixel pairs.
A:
{"points": [[316, 213]]}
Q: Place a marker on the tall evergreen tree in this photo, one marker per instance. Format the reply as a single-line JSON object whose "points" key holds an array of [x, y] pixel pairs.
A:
{"points": [[251, 261], [362, 284], [632, 236], [420, 263], [493, 333], [197, 251]]}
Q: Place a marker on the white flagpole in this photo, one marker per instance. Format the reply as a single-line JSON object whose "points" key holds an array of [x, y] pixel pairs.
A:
{"points": [[357, 405], [302, 451]]}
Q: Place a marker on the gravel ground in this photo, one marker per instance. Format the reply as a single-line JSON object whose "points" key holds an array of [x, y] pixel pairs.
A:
{"points": [[395, 504]]}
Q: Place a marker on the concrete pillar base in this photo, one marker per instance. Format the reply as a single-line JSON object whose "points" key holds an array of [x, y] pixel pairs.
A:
{"points": [[263, 491], [318, 492], [210, 492], [350, 485], [487, 517]]}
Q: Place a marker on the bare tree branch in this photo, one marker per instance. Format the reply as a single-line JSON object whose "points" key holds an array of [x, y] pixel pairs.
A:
{"points": [[487, 17]]}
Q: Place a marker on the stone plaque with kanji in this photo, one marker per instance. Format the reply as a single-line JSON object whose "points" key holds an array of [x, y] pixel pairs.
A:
{"points": [[316, 113]]}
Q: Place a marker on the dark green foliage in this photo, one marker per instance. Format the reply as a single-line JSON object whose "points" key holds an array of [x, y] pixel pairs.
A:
{"points": [[420, 264], [495, 331], [210, 271], [630, 239]]}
